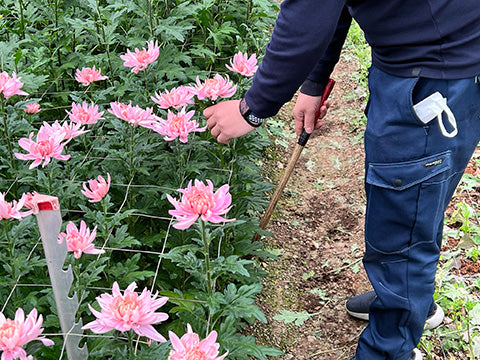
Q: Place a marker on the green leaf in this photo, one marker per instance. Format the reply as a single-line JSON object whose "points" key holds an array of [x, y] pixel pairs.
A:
{"points": [[320, 293], [232, 264], [308, 275], [287, 316], [474, 315]]}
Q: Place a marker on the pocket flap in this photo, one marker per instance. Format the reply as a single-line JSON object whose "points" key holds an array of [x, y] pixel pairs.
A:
{"points": [[402, 175]]}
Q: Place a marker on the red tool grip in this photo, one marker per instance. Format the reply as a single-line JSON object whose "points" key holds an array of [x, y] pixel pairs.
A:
{"points": [[325, 95]]}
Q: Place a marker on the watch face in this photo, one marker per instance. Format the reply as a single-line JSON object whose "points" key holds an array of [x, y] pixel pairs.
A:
{"points": [[244, 109]]}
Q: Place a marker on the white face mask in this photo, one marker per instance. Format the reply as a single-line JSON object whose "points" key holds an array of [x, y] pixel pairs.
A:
{"points": [[434, 106]]}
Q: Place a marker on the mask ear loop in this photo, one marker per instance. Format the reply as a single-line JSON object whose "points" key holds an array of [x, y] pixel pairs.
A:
{"points": [[451, 120]]}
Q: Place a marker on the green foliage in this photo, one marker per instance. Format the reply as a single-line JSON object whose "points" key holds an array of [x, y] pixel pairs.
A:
{"points": [[297, 317], [468, 231], [456, 293], [356, 47]]}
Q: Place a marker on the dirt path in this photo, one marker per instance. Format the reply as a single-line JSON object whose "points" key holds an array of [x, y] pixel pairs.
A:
{"points": [[318, 227]]}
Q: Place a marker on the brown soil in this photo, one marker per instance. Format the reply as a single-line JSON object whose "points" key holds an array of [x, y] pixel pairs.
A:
{"points": [[318, 225]]}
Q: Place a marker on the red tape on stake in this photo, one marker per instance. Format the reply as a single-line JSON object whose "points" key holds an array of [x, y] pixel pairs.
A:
{"points": [[44, 202]]}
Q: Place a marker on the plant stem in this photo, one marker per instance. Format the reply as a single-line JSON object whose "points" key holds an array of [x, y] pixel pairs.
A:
{"points": [[107, 46], [181, 160], [470, 342], [104, 204], [249, 10], [22, 19], [74, 40], [208, 270], [11, 245], [146, 81], [78, 286], [11, 250], [50, 181], [76, 266], [56, 14], [107, 49], [7, 135], [131, 348], [59, 59], [207, 257], [150, 16], [132, 139]]}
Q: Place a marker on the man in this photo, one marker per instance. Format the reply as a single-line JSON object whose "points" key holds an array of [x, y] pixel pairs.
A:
{"points": [[415, 151]]}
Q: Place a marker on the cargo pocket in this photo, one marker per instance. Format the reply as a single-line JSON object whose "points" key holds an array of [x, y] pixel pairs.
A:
{"points": [[405, 202]]}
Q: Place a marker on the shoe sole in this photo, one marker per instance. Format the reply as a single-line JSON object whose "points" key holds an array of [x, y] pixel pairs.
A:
{"points": [[432, 322], [417, 355], [361, 316], [435, 320]]}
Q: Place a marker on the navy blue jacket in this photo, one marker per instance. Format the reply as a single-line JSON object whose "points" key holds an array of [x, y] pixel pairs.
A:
{"points": [[409, 38]]}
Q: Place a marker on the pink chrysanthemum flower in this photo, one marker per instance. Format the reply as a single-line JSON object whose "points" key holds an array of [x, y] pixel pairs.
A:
{"points": [[200, 200], [243, 64], [29, 200], [215, 88], [10, 86], [32, 108], [98, 189], [14, 334], [88, 75], [11, 210], [128, 311], [176, 98], [141, 58], [177, 125], [47, 146], [189, 346], [67, 130], [85, 114], [80, 241], [134, 115]]}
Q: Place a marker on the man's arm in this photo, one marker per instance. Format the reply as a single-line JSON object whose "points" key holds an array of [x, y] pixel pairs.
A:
{"points": [[318, 77], [303, 31], [302, 34], [309, 97]]}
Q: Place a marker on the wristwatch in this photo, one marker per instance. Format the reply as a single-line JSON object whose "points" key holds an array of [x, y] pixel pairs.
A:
{"points": [[248, 115]]}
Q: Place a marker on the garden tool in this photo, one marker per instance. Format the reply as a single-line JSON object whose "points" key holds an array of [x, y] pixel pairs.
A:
{"points": [[301, 142]]}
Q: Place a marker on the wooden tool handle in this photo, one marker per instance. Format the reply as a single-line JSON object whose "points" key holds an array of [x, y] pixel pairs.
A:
{"points": [[281, 185], [302, 141]]}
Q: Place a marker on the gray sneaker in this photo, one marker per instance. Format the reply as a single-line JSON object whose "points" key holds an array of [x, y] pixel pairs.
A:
{"points": [[416, 355], [358, 307]]}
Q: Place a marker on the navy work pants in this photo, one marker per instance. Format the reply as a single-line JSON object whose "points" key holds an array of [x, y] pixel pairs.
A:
{"points": [[412, 171]]}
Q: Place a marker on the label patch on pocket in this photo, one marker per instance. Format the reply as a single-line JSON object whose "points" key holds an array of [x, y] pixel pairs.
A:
{"points": [[434, 162]]}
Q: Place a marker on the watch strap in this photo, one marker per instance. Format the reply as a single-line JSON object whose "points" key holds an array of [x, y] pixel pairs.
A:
{"points": [[248, 115]]}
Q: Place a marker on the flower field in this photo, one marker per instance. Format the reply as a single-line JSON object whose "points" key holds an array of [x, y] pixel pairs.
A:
{"points": [[101, 106]]}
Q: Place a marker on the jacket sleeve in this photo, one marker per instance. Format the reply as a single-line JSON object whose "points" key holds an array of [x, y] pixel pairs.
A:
{"points": [[303, 32], [317, 79]]}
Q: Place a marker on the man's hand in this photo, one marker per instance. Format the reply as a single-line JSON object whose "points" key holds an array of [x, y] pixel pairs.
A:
{"points": [[225, 121], [304, 113]]}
